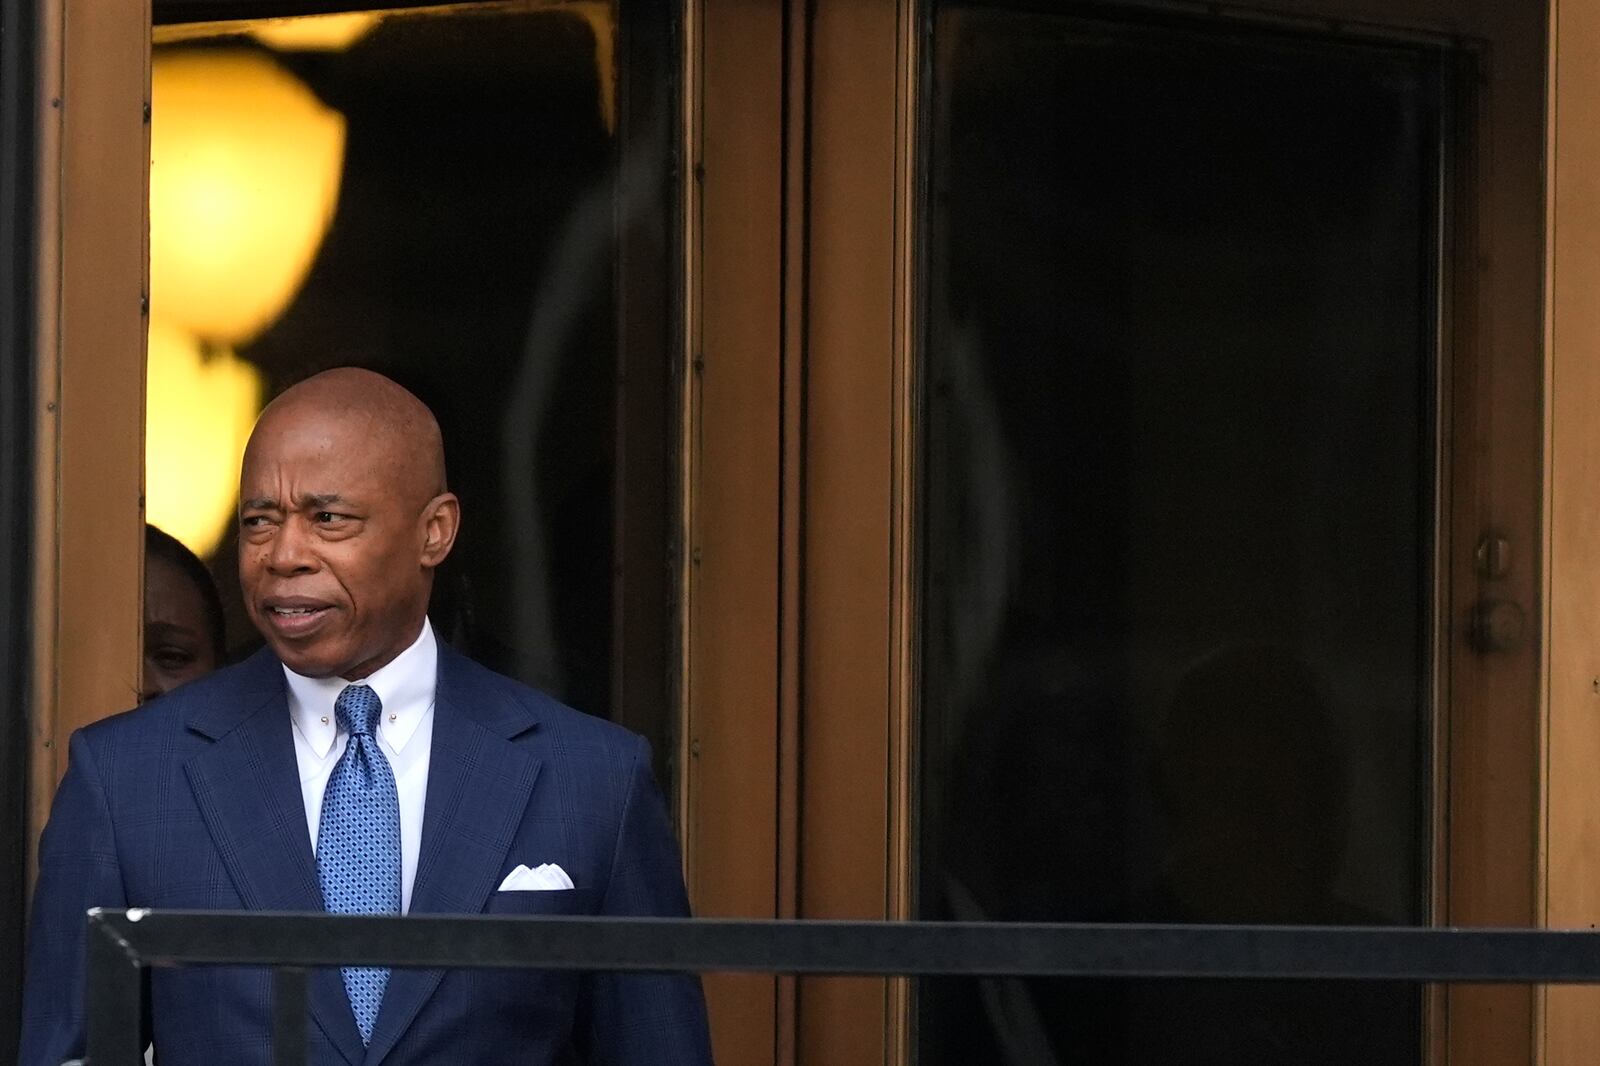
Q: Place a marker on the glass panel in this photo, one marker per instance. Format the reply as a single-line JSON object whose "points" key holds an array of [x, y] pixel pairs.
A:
{"points": [[439, 195], [1178, 515]]}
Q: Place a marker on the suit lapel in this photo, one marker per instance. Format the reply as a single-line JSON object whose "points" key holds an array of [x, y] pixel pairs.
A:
{"points": [[478, 789], [247, 786]]}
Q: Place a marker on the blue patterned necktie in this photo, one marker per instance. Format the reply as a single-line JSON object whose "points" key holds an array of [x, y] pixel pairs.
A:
{"points": [[358, 840]]}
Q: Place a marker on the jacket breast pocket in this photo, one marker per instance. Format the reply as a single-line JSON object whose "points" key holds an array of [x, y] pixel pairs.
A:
{"points": [[570, 901]]}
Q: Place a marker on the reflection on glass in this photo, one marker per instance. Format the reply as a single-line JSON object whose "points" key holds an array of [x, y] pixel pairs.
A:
{"points": [[200, 404], [440, 195], [245, 166], [1178, 498], [315, 33], [244, 178]]}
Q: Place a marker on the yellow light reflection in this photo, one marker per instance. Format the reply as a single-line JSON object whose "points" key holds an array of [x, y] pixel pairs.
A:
{"points": [[199, 409], [316, 33], [244, 178]]}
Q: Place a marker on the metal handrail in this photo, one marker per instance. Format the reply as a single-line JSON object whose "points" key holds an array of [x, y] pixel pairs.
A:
{"points": [[123, 943]]}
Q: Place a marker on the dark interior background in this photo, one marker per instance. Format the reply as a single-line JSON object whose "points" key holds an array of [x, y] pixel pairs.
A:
{"points": [[18, 392]]}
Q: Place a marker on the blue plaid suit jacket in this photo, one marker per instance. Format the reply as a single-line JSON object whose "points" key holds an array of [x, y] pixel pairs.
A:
{"points": [[193, 801]]}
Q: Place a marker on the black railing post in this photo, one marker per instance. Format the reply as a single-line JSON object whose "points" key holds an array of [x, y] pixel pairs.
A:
{"points": [[289, 1016], [115, 998]]}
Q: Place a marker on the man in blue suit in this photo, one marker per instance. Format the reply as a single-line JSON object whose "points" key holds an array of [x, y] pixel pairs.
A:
{"points": [[357, 765]]}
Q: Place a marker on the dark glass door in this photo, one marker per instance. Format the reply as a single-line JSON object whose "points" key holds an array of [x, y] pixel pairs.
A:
{"points": [[1180, 336]]}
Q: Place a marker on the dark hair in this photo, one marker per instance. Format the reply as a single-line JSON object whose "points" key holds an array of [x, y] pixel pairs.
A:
{"points": [[159, 544]]}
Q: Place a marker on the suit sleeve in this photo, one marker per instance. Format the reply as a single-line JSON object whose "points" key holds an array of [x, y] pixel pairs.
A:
{"points": [[646, 1019], [78, 869]]}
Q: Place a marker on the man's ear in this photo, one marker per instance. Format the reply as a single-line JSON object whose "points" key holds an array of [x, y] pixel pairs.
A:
{"points": [[441, 520]]}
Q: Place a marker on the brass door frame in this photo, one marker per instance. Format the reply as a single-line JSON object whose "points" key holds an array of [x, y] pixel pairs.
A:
{"points": [[795, 599], [1570, 830], [857, 594], [93, 173], [830, 671], [733, 781]]}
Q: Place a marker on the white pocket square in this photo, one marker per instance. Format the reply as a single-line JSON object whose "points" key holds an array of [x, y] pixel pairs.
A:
{"points": [[547, 878]]}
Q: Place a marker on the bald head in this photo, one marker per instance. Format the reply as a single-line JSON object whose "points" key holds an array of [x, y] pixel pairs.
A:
{"points": [[343, 517], [399, 428]]}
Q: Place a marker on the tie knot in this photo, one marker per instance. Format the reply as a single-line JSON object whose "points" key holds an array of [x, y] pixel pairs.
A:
{"points": [[357, 709]]}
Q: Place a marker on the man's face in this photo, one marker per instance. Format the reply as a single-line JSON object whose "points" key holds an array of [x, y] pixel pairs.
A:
{"points": [[334, 544]]}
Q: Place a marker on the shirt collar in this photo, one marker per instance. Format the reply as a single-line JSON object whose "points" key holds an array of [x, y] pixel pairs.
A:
{"points": [[405, 685]]}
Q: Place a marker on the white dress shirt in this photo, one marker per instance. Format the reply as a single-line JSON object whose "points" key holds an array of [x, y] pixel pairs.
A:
{"points": [[405, 735]]}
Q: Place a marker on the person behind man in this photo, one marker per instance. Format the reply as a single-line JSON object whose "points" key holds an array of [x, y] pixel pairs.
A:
{"points": [[185, 636], [357, 765]]}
